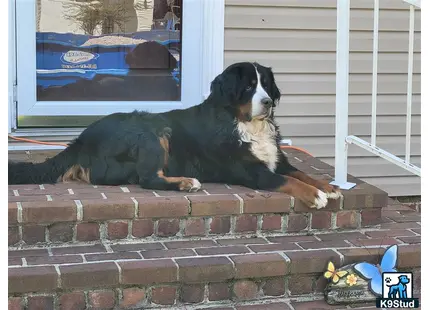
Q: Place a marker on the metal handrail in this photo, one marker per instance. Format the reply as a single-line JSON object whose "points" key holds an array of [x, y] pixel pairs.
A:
{"points": [[342, 81]]}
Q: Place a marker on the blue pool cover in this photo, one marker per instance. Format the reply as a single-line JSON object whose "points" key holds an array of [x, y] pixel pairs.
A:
{"points": [[60, 58]]}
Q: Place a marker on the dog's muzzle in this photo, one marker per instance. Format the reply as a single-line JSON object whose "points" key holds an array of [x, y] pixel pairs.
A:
{"points": [[268, 105], [267, 102]]}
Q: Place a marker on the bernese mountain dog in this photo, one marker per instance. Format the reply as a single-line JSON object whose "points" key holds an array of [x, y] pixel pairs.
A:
{"points": [[231, 137]]}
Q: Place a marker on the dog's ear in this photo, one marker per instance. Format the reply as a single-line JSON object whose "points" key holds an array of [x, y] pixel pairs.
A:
{"points": [[224, 88], [275, 93]]}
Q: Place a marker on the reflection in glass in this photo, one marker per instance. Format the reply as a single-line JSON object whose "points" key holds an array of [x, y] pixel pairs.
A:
{"points": [[100, 50]]}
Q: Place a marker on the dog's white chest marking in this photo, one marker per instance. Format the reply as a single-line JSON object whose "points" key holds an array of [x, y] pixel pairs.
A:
{"points": [[261, 135]]}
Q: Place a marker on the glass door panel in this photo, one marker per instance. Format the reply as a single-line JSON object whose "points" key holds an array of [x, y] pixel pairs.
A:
{"points": [[91, 58]]}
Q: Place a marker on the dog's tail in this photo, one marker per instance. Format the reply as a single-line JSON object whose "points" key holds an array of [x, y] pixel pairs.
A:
{"points": [[46, 172]]}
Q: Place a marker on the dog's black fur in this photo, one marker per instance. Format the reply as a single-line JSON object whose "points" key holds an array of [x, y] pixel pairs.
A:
{"points": [[203, 143]]}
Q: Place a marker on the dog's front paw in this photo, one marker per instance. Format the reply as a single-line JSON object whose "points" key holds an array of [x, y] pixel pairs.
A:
{"points": [[190, 184], [332, 191], [321, 200], [196, 186], [315, 199]]}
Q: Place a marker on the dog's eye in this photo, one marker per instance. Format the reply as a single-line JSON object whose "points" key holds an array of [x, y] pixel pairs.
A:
{"points": [[248, 88], [263, 83]]}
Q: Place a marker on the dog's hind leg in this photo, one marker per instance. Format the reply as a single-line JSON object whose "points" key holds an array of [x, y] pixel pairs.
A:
{"points": [[150, 167], [162, 182]]}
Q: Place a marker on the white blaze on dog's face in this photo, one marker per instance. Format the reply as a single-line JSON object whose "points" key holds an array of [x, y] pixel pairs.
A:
{"points": [[261, 101]]}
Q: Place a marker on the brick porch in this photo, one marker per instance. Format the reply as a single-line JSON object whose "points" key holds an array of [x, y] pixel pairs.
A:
{"points": [[77, 246]]}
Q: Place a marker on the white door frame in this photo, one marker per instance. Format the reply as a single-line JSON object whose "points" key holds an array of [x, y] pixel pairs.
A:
{"points": [[11, 67], [207, 18]]}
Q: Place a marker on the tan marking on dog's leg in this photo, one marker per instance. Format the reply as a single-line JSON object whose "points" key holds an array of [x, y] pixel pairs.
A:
{"points": [[164, 142], [184, 184], [309, 195], [331, 191], [76, 173]]}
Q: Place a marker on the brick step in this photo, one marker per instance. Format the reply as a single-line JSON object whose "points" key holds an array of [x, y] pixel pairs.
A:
{"points": [[204, 271], [95, 299], [49, 214], [44, 214]]}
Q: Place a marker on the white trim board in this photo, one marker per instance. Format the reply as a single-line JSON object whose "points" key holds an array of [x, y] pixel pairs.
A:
{"points": [[213, 42], [35, 147], [11, 67]]}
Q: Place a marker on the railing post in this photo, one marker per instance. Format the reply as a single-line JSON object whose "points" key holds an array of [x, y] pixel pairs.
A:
{"points": [[409, 86], [342, 81], [375, 70]]}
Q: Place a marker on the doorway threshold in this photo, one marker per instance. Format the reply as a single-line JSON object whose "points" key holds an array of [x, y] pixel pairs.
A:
{"points": [[46, 132], [51, 135]]}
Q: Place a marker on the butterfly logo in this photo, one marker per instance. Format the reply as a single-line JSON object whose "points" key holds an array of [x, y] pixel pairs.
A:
{"points": [[374, 273], [334, 274]]}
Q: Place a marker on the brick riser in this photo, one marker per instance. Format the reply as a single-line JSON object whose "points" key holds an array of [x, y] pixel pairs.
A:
{"points": [[92, 299], [64, 213], [205, 272], [264, 294], [210, 271]]}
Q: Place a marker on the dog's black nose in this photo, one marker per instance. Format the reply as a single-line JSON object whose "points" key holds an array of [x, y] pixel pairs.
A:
{"points": [[267, 101]]}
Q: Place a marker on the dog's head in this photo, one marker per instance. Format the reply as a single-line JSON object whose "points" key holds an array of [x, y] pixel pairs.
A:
{"points": [[403, 279], [247, 89]]}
